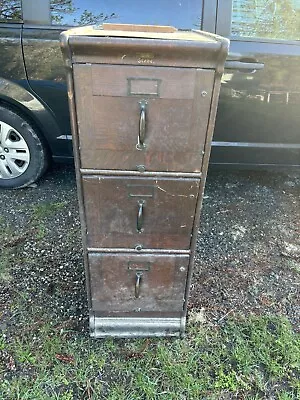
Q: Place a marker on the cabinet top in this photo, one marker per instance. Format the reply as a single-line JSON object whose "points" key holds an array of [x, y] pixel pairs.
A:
{"points": [[142, 31], [144, 44]]}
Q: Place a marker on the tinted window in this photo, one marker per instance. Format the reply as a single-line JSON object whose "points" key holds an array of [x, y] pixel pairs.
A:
{"points": [[275, 19], [185, 14], [10, 10]]}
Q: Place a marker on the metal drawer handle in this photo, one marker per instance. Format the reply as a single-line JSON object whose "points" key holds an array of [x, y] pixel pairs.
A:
{"points": [[140, 216], [138, 276], [142, 127]]}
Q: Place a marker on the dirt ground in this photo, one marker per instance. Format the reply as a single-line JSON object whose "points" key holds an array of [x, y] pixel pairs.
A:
{"points": [[247, 262], [248, 253]]}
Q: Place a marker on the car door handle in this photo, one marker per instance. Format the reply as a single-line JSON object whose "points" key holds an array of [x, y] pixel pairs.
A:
{"points": [[244, 65]]}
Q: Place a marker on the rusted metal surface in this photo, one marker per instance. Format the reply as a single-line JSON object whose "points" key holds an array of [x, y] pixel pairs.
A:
{"points": [[141, 172], [108, 103], [177, 49], [142, 130], [138, 283], [163, 208]]}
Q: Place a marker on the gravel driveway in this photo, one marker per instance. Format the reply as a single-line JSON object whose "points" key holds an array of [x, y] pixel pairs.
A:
{"points": [[248, 258]]}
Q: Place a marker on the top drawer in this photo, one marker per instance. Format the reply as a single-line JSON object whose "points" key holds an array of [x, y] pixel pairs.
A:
{"points": [[152, 116]]}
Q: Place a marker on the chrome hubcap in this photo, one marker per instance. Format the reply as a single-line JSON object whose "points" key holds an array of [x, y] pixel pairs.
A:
{"points": [[14, 152]]}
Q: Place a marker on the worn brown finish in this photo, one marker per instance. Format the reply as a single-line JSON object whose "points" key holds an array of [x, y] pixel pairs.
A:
{"points": [[162, 284], [121, 52], [176, 49], [142, 129], [112, 205], [108, 80], [108, 117]]}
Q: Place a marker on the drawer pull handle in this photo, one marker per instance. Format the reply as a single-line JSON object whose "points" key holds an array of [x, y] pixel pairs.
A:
{"points": [[140, 216], [138, 277], [142, 128]]}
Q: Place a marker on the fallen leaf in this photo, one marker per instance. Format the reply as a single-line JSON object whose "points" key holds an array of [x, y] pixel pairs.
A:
{"points": [[139, 354], [11, 364], [64, 358]]}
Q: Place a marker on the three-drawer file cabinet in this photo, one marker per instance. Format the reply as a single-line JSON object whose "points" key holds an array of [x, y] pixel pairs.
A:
{"points": [[143, 101]]}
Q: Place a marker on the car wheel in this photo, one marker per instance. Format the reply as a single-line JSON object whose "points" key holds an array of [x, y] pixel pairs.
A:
{"points": [[23, 156]]}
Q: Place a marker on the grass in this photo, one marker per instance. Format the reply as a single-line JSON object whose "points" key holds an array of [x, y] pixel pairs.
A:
{"points": [[42, 211], [7, 250], [255, 358], [5, 261]]}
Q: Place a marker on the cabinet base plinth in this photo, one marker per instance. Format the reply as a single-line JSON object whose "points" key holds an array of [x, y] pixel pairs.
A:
{"points": [[129, 327]]}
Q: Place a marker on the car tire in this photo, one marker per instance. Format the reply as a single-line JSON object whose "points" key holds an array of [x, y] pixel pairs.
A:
{"points": [[23, 155]]}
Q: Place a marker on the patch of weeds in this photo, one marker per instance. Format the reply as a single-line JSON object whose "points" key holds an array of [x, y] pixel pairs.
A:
{"points": [[52, 363], [285, 396], [2, 343], [10, 244], [40, 231], [254, 358], [5, 264], [263, 345], [44, 210], [116, 393], [40, 212], [227, 380], [247, 356], [294, 265], [24, 352]]}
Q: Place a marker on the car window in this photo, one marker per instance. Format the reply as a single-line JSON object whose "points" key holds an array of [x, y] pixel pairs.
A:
{"points": [[185, 14], [10, 10], [273, 19]]}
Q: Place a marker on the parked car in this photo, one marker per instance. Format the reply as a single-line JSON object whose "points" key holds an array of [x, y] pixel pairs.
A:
{"points": [[258, 118]]}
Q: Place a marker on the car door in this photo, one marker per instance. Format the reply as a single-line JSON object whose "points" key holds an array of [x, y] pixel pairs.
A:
{"points": [[258, 120], [44, 66], [11, 60]]}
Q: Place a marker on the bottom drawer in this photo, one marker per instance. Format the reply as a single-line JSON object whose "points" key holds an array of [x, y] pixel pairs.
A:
{"points": [[137, 283]]}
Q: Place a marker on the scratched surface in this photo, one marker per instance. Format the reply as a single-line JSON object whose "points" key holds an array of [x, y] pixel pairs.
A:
{"points": [[109, 115], [111, 210], [161, 286]]}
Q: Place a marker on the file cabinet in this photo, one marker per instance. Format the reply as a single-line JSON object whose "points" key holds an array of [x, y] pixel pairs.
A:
{"points": [[142, 101]]}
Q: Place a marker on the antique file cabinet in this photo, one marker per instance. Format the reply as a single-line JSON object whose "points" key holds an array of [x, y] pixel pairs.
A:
{"points": [[143, 101]]}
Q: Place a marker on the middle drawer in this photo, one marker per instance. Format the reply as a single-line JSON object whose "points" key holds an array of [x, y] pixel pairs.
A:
{"points": [[126, 212]]}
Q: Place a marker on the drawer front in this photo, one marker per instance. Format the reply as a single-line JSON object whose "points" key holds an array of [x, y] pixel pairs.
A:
{"points": [[152, 116], [141, 283], [129, 212]]}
